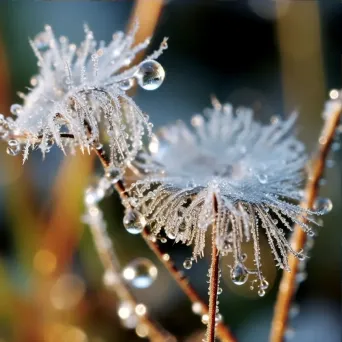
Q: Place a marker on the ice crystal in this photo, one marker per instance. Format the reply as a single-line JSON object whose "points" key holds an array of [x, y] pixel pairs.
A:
{"points": [[229, 168], [80, 89]]}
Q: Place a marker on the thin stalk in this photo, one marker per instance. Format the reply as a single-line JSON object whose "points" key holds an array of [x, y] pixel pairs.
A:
{"points": [[214, 281], [288, 282]]}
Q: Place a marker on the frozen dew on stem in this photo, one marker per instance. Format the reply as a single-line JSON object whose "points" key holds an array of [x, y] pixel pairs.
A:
{"points": [[141, 273]]}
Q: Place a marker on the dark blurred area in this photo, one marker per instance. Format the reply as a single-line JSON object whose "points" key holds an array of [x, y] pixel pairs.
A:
{"points": [[272, 56]]}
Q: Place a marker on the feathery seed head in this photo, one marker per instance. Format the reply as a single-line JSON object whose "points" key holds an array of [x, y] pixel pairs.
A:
{"points": [[80, 89], [252, 173]]}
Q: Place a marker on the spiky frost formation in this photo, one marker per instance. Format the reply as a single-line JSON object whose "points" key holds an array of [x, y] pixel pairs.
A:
{"points": [[253, 171], [77, 88]]}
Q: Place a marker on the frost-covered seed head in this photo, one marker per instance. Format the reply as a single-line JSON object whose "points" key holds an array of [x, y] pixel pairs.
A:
{"points": [[80, 90], [253, 171]]}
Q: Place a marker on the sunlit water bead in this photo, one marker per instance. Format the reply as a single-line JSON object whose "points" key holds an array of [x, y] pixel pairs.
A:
{"points": [[141, 273], [93, 195], [150, 75], [239, 274], [134, 222], [197, 308], [187, 264], [16, 109], [127, 315], [13, 148], [323, 205]]}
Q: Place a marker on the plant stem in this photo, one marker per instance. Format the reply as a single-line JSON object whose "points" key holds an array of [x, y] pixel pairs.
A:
{"points": [[214, 280], [288, 281]]}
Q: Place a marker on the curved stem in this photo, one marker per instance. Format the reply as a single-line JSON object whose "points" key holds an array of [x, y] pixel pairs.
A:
{"points": [[288, 281], [214, 279], [213, 287]]}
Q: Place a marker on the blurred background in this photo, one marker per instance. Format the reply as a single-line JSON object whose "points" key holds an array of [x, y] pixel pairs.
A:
{"points": [[274, 56]]}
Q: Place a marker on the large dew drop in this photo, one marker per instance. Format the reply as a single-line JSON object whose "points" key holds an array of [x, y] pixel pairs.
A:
{"points": [[239, 274], [141, 273], [134, 222], [323, 205], [150, 75]]}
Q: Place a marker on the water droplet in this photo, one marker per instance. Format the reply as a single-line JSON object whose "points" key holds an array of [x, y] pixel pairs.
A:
{"points": [[205, 319], [262, 178], [197, 308], [218, 318], [140, 309], [134, 222], [171, 235], [187, 264], [166, 257], [219, 290], [125, 310], [150, 75], [141, 273], [323, 205], [113, 174], [261, 292], [16, 109], [126, 84], [239, 274], [93, 195], [142, 330], [13, 148]]}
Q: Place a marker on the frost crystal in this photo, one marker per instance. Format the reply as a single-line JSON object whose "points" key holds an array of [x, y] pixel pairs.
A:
{"points": [[80, 89], [252, 172]]}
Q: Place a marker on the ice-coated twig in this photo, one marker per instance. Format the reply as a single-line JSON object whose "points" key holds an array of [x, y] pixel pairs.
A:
{"points": [[288, 282]]}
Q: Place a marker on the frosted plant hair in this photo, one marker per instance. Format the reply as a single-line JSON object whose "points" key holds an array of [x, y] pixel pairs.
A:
{"points": [[253, 171], [78, 90]]}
